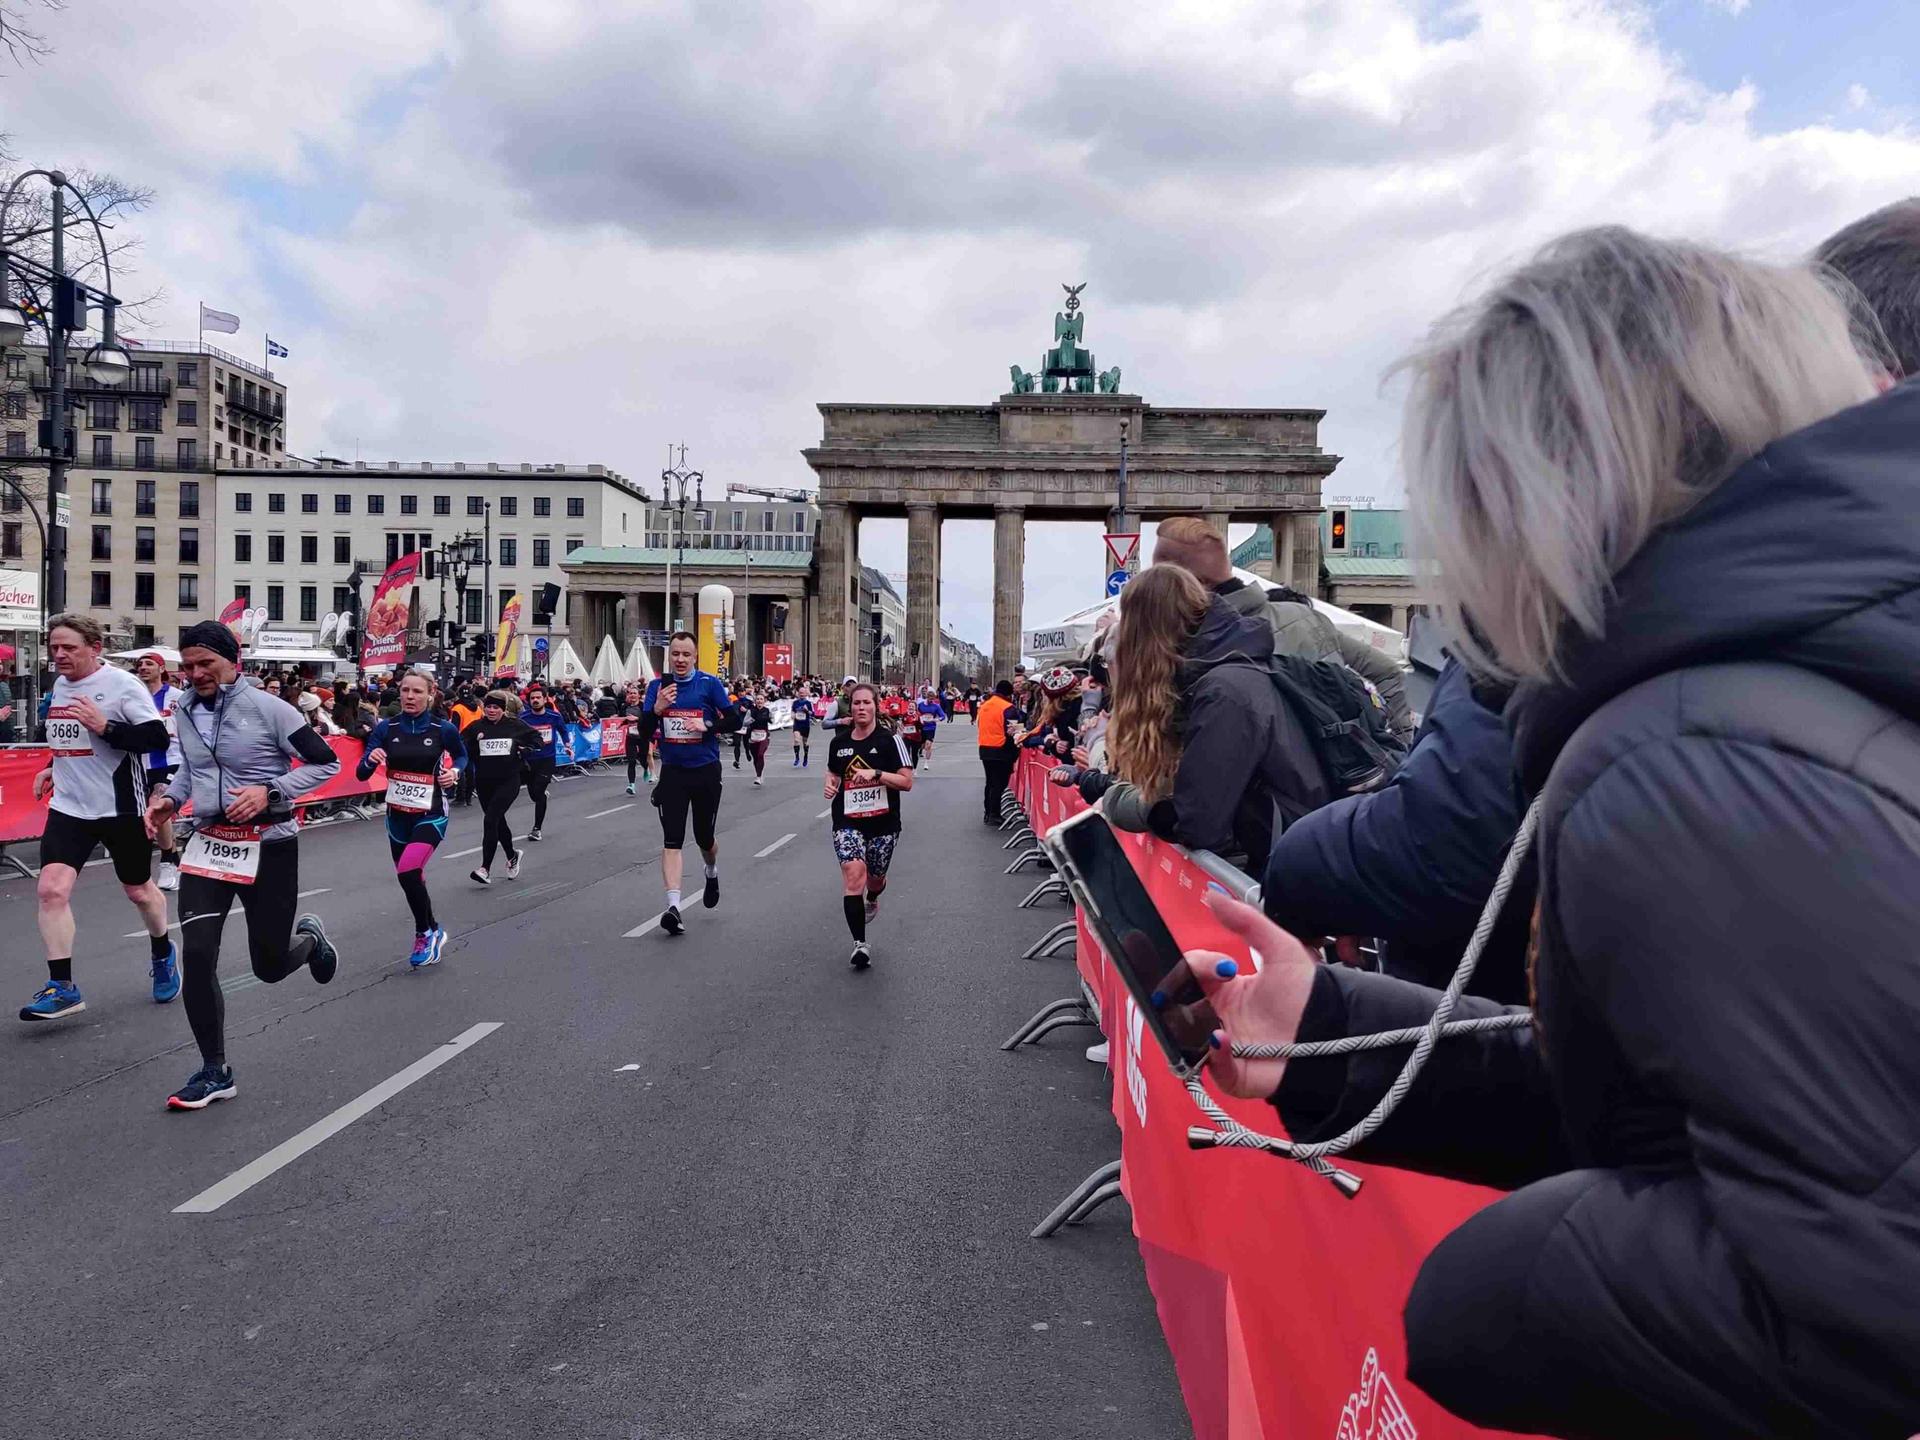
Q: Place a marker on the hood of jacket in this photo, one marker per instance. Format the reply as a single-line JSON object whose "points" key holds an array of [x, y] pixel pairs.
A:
{"points": [[1807, 555], [1224, 635]]}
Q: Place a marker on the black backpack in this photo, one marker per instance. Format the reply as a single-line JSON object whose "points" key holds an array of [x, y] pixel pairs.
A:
{"points": [[1345, 721]]}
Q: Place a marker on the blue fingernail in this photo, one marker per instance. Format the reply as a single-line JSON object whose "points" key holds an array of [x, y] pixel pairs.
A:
{"points": [[1158, 999], [1214, 1041], [1226, 969]]}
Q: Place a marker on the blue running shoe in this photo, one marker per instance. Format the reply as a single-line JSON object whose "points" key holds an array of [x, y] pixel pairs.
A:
{"points": [[427, 947], [57, 999], [166, 976], [209, 1083]]}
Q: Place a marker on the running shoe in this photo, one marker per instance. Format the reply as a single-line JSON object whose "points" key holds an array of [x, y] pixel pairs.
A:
{"points": [[671, 922], [436, 942], [757, 780], [712, 896], [534, 834], [629, 787], [796, 762], [325, 959], [861, 957], [209, 1083], [479, 876], [873, 907], [169, 876], [166, 976], [513, 867], [1098, 1053], [57, 998]]}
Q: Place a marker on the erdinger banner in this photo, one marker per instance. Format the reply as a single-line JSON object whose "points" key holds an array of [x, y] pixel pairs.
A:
{"points": [[232, 615], [1280, 1299], [506, 649], [385, 639]]}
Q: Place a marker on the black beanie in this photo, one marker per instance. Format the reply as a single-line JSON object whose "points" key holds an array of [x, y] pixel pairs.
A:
{"points": [[212, 635]]}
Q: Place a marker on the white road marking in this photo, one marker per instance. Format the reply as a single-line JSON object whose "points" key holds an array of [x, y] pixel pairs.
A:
{"points": [[137, 934], [642, 929], [614, 811], [624, 1068], [458, 853], [762, 854], [824, 813], [285, 1153]]}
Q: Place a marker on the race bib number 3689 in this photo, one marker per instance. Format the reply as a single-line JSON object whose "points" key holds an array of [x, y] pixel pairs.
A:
{"points": [[65, 734]]}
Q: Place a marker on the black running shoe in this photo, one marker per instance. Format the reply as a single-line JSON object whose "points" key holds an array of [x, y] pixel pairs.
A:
{"points": [[861, 957], [479, 876], [324, 960], [712, 896], [671, 922], [209, 1083]]}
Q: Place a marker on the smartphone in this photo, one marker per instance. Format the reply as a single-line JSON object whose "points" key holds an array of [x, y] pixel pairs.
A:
{"points": [[1122, 917]]}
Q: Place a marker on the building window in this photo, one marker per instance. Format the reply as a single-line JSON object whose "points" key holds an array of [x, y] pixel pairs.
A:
{"points": [[219, 451], [576, 508], [509, 551], [189, 496], [276, 503], [800, 523], [739, 519], [426, 541], [574, 542], [342, 599], [145, 497], [407, 547], [102, 590], [243, 549], [343, 504], [509, 506], [143, 453], [244, 594], [309, 549], [766, 521], [542, 506], [16, 405], [189, 592], [186, 453], [476, 505], [342, 551], [187, 373], [276, 602], [443, 505], [475, 603], [276, 549], [186, 412], [143, 414], [543, 553], [393, 547], [309, 504], [143, 590], [10, 539], [143, 545], [103, 414], [243, 502], [376, 504], [10, 500], [309, 603], [102, 448], [103, 542], [409, 504], [103, 497]]}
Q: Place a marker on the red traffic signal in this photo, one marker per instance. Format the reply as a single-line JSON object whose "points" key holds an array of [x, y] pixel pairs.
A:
{"points": [[1337, 530]]}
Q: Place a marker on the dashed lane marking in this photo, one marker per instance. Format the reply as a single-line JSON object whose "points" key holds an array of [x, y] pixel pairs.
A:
{"points": [[762, 854], [323, 890], [824, 813], [614, 811]]}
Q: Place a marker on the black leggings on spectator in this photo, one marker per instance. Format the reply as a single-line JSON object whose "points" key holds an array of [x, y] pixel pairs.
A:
{"points": [[997, 761], [269, 904], [539, 776], [496, 798]]}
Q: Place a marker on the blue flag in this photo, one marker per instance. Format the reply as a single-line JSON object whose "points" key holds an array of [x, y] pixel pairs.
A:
{"points": [[275, 348]]}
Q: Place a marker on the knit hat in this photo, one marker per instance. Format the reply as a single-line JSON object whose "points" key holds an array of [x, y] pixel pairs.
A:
{"points": [[309, 702], [1056, 681], [212, 635]]}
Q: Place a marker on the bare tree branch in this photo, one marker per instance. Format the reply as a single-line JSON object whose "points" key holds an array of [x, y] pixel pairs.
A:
{"points": [[23, 43]]}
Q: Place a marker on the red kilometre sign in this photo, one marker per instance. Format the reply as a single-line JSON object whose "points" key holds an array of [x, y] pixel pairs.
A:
{"points": [[1123, 551], [776, 662]]}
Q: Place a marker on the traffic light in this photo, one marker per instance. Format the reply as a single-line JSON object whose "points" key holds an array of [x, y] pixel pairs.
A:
{"points": [[1337, 530]]}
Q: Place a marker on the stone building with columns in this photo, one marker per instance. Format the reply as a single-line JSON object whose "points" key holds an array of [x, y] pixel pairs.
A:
{"points": [[1049, 456]]}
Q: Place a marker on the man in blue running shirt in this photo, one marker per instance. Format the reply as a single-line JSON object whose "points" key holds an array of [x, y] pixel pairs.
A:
{"points": [[686, 705]]}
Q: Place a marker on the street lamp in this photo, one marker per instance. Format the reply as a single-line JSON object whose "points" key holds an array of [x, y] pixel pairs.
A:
{"points": [[13, 324], [107, 363], [673, 494]]}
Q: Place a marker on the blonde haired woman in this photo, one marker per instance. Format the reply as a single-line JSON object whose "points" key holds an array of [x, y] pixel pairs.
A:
{"points": [[1631, 462], [1205, 749]]}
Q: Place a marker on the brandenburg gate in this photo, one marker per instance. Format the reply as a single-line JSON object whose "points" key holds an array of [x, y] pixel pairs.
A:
{"points": [[1051, 449]]}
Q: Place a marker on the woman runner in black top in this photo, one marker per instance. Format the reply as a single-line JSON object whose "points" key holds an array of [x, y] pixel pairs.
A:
{"points": [[868, 770], [499, 746], [759, 730]]}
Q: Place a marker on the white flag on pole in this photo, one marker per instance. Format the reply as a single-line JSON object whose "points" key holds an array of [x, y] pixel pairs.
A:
{"points": [[218, 320]]}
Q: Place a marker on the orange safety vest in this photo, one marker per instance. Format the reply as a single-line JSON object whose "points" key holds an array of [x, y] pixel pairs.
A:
{"points": [[991, 723]]}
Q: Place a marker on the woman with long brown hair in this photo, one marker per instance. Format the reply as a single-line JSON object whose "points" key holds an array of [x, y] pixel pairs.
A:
{"points": [[1204, 746]]}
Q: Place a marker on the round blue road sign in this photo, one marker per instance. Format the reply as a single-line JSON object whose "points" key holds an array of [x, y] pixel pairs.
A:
{"points": [[540, 645], [1116, 580]]}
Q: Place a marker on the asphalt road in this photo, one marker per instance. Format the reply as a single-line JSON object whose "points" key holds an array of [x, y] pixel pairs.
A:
{"points": [[713, 1186]]}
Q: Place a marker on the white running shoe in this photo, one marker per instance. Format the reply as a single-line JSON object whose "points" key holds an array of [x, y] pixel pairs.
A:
{"points": [[756, 780], [1098, 1053], [169, 877], [873, 907], [513, 867], [480, 876]]}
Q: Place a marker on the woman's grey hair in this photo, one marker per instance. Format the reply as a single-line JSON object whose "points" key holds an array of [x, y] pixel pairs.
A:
{"points": [[1588, 398], [1879, 256]]}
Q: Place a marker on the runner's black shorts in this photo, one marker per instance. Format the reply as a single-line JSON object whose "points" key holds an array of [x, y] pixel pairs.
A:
{"points": [[69, 840], [684, 787]]}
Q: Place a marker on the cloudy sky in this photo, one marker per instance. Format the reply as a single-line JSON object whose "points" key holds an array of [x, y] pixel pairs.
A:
{"points": [[578, 230]]}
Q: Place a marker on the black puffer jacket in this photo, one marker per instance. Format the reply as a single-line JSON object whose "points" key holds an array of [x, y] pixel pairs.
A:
{"points": [[1721, 1116], [1243, 755]]}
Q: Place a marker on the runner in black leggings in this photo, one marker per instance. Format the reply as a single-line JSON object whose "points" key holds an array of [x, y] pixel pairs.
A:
{"points": [[546, 724], [498, 747], [637, 740]]}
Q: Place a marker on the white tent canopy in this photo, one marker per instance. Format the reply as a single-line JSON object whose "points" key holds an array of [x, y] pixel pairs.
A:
{"points": [[1068, 637], [564, 666], [639, 666], [606, 665]]}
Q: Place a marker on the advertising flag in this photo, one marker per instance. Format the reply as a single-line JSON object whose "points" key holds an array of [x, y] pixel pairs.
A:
{"points": [[506, 649], [233, 615], [384, 641], [218, 320]]}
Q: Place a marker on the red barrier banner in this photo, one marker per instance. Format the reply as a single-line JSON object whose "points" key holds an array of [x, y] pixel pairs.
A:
{"points": [[21, 816], [1280, 1299], [613, 738]]}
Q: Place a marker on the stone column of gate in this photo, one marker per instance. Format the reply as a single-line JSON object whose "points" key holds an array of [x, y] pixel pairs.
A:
{"points": [[1009, 581], [923, 593], [833, 607], [1305, 575], [1217, 520]]}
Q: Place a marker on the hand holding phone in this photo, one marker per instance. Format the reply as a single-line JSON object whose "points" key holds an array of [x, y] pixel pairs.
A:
{"points": [[1262, 1008]]}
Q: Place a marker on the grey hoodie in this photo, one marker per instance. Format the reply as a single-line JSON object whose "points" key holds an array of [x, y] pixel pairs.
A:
{"points": [[1299, 629], [258, 735]]}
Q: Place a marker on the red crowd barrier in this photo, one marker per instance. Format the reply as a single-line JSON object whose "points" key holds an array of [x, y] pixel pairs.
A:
{"points": [[1279, 1298]]}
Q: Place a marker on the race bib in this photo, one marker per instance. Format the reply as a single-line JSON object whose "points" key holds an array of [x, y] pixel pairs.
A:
{"points": [[223, 852], [679, 727], [409, 791], [65, 734], [860, 802], [496, 744], [756, 736]]}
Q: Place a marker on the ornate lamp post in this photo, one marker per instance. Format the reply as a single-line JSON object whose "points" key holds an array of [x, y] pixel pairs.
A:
{"points": [[674, 481]]}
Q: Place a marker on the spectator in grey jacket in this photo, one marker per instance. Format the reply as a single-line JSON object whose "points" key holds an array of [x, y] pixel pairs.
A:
{"points": [[1711, 1128], [1298, 628]]}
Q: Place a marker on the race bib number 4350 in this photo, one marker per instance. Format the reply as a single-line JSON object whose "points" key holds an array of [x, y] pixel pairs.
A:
{"points": [[65, 734], [223, 852]]}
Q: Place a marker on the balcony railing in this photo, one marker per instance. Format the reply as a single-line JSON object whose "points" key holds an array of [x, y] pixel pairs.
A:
{"points": [[274, 411], [166, 464], [140, 385]]}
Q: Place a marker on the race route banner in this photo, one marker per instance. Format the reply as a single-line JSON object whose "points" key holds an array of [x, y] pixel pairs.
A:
{"points": [[232, 616], [776, 662], [385, 638], [506, 649], [1279, 1298]]}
